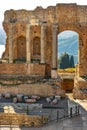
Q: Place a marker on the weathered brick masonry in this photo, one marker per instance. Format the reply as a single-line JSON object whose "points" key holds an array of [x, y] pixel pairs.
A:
{"points": [[32, 35]]}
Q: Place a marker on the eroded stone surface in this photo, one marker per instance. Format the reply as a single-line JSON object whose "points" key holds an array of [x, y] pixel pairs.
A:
{"points": [[29, 28]]}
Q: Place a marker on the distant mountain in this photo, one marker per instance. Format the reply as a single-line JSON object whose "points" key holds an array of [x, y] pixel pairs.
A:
{"points": [[2, 37], [69, 45]]}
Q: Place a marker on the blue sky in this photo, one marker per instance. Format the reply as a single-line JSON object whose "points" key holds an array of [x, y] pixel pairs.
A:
{"points": [[68, 42]]}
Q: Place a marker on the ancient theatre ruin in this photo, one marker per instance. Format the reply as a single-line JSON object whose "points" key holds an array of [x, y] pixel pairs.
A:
{"points": [[31, 48]]}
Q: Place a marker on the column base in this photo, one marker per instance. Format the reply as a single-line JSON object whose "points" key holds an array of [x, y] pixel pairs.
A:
{"points": [[54, 73], [11, 61], [28, 62], [42, 63]]}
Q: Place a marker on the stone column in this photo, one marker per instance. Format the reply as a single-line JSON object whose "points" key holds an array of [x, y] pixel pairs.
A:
{"points": [[43, 40], [11, 43], [54, 51], [54, 46], [28, 40]]}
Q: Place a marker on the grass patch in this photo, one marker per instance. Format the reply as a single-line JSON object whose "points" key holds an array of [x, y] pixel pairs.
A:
{"points": [[68, 70]]}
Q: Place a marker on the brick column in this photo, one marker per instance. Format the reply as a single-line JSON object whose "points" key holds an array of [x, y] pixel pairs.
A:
{"points": [[43, 40], [28, 40], [54, 51], [10, 43]]}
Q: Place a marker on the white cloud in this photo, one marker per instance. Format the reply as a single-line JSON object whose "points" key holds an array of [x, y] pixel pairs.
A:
{"points": [[2, 48], [67, 34]]}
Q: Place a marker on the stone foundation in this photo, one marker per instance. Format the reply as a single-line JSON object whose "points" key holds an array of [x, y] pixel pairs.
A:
{"points": [[80, 88], [30, 85], [33, 89]]}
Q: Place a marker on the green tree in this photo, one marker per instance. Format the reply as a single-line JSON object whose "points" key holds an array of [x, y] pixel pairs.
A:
{"points": [[64, 61], [71, 63], [61, 62]]}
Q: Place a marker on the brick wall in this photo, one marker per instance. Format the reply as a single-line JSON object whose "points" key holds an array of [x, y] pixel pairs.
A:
{"points": [[13, 68], [22, 68], [37, 69]]}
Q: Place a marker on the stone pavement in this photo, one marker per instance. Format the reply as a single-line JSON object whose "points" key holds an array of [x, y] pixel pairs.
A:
{"points": [[74, 123]]}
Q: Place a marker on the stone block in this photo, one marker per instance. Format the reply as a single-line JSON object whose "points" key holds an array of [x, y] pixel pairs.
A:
{"points": [[15, 100], [7, 95], [30, 100], [20, 97]]}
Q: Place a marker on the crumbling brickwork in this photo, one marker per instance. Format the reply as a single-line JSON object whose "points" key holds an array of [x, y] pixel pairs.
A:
{"points": [[65, 16]]}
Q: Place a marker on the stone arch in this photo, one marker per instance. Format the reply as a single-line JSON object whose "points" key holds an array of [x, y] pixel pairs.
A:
{"points": [[68, 44], [21, 47], [71, 28], [74, 29], [66, 38]]}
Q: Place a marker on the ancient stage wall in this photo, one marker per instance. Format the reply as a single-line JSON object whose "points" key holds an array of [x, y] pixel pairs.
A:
{"points": [[45, 25]]}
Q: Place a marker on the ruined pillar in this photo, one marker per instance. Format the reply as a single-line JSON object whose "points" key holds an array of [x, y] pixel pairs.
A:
{"points": [[43, 40], [54, 50], [54, 46], [11, 43], [28, 40]]}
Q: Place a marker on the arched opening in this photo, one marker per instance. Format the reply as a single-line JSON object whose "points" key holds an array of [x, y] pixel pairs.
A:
{"points": [[67, 57], [36, 49], [21, 48]]}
